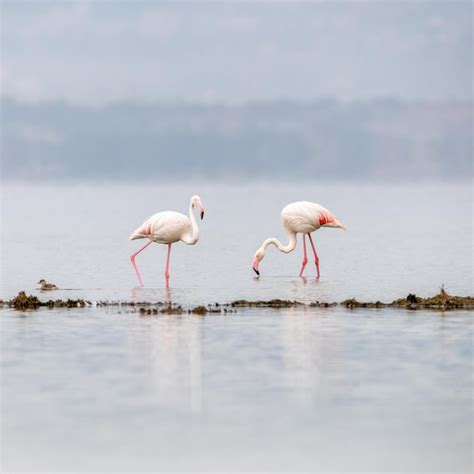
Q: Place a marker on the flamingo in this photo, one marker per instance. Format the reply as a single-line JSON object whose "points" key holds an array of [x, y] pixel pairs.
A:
{"points": [[168, 227], [301, 217]]}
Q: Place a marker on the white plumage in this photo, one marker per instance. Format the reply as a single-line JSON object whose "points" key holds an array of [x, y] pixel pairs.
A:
{"points": [[168, 227], [304, 217], [300, 217]]}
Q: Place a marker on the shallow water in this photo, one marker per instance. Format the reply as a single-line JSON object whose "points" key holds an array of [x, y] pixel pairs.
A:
{"points": [[257, 390], [317, 390], [400, 239]]}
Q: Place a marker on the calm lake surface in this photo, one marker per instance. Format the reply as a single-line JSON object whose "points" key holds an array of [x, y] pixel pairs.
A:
{"points": [[108, 389]]}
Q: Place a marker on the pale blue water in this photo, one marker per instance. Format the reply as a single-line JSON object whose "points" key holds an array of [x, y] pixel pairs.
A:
{"points": [[400, 239], [320, 390]]}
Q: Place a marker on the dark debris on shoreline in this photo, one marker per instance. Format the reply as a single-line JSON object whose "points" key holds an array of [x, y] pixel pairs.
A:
{"points": [[442, 302], [265, 304], [24, 302]]}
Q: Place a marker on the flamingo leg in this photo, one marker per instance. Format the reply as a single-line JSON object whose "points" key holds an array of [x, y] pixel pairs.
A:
{"points": [[167, 267], [132, 259], [316, 258], [305, 257]]}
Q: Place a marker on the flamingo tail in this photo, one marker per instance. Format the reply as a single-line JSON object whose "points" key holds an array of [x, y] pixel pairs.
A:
{"points": [[336, 223], [142, 232], [328, 219]]}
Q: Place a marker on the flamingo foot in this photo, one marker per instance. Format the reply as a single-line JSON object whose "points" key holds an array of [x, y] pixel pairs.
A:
{"points": [[316, 263], [140, 281], [303, 265], [316, 258], [305, 256]]}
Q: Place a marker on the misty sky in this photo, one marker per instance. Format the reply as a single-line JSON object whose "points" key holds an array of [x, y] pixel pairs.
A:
{"points": [[95, 52]]}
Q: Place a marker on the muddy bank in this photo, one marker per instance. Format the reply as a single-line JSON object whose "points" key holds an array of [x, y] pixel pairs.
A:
{"points": [[442, 301], [24, 302], [177, 309], [265, 304]]}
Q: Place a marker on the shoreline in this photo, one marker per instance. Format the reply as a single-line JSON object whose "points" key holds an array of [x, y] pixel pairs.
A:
{"points": [[439, 302]]}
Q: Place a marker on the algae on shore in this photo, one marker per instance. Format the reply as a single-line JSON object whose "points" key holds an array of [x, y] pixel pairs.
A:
{"points": [[23, 302], [177, 310], [353, 303], [275, 303], [441, 301]]}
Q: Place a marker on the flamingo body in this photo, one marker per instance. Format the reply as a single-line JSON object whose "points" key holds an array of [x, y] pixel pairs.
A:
{"points": [[168, 227], [300, 217], [304, 217], [165, 227]]}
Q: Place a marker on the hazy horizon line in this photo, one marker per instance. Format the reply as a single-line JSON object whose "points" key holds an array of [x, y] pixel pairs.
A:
{"points": [[239, 104]]}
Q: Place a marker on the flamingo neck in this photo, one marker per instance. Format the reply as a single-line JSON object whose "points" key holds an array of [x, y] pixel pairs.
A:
{"points": [[282, 248], [194, 237]]}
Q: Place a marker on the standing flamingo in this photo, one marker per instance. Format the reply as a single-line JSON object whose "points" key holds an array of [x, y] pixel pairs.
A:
{"points": [[168, 227], [299, 217]]}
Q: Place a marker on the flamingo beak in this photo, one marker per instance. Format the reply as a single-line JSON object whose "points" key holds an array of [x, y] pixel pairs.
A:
{"points": [[201, 209], [255, 266]]}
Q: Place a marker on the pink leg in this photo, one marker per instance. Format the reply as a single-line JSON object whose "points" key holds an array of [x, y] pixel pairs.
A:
{"points": [[316, 258], [305, 258], [132, 259], [167, 268]]}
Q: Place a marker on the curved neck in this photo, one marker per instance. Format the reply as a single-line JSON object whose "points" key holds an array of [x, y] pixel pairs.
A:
{"points": [[194, 237], [282, 248]]}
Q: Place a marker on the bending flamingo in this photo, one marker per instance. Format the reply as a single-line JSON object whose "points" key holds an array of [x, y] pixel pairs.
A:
{"points": [[299, 217], [168, 227]]}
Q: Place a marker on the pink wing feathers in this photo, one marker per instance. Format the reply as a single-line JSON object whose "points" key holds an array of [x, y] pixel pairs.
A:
{"points": [[142, 232], [327, 219]]}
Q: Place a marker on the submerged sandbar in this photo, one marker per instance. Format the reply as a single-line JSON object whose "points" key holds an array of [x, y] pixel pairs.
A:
{"points": [[442, 301]]}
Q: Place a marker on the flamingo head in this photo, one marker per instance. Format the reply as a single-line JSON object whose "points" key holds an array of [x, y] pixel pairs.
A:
{"points": [[259, 254], [196, 201]]}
